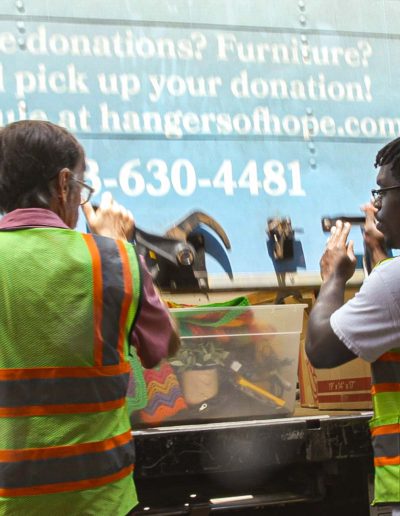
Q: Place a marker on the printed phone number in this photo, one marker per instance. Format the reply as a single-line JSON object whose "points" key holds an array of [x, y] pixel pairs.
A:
{"points": [[156, 178]]}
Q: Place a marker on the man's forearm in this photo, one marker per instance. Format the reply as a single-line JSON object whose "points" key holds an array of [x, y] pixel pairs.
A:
{"points": [[323, 347], [330, 297]]}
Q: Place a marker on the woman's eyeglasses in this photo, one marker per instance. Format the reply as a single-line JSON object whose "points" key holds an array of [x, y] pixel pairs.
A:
{"points": [[86, 191]]}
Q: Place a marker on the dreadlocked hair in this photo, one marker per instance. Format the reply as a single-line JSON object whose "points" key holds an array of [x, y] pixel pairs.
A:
{"points": [[390, 155]]}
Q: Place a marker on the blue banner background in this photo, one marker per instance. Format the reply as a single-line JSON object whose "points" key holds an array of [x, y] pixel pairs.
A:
{"points": [[42, 76]]}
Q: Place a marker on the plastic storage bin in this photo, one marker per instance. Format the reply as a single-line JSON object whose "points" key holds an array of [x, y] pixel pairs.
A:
{"points": [[235, 363]]}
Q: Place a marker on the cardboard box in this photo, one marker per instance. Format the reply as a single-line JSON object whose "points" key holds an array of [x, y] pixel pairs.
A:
{"points": [[347, 387], [306, 373], [307, 380]]}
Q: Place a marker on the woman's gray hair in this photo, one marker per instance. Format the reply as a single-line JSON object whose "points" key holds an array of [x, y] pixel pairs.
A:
{"points": [[32, 153]]}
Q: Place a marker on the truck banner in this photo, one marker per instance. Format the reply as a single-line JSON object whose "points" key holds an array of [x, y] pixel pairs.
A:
{"points": [[244, 110]]}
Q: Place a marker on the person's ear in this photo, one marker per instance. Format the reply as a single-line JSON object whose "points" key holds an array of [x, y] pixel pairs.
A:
{"points": [[63, 184]]}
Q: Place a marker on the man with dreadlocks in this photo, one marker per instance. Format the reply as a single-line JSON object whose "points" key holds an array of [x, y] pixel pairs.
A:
{"points": [[368, 326]]}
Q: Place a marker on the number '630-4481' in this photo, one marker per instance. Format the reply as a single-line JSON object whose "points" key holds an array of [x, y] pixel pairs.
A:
{"points": [[157, 178]]}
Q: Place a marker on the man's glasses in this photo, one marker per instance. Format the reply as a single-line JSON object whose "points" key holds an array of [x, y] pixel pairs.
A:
{"points": [[377, 195], [86, 191]]}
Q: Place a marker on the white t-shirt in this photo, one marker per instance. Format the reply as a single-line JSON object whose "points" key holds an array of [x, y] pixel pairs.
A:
{"points": [[369, 324]]}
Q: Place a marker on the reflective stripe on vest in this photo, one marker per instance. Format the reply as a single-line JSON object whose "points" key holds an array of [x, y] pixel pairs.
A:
{"points": [[102, 387], [112, 282], [386, 373], [65, 468], [385, 441], [104, 390]]}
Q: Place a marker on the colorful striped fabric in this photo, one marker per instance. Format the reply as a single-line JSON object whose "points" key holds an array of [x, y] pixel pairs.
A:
{"points": [[164, 395]]}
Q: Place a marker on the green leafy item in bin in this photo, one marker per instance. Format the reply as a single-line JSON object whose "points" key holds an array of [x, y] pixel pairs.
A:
{"points": [[200, 355]]}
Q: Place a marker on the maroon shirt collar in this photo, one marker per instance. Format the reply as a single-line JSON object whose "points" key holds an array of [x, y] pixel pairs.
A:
{"points": [[31, 218]]}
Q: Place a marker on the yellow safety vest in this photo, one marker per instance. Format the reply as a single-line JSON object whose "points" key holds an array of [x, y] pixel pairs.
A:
{"points": [[67, 305]]}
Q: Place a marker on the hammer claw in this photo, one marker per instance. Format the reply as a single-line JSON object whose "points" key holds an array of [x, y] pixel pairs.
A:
{"points": [[185, 227]]}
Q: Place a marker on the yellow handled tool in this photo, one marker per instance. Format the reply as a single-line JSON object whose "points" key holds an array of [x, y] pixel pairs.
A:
{"points": [[259, 390]]}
